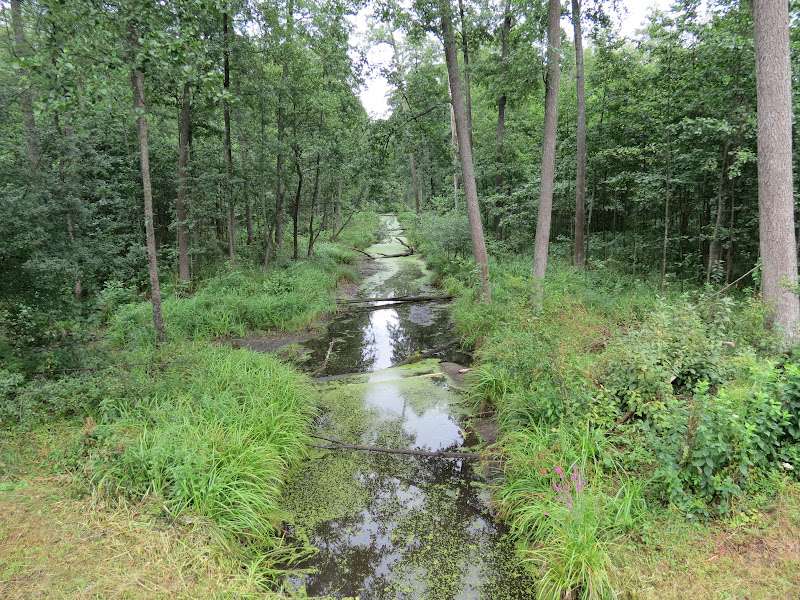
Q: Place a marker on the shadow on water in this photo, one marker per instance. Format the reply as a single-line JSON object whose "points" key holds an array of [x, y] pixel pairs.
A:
{"points": [[387, 525]]}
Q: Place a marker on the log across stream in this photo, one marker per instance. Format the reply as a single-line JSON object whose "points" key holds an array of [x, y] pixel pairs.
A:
{"points": [[413, 521]]}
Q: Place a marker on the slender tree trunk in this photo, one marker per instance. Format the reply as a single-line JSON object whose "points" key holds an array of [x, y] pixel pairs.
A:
{"points": [[296, 205], [22, 50], [279, 183], [667, 214], [777, 239], [454, 148], [465, 151], [337, 210], [548, 149], [415, 182], [465, 52], [226, 114], [500, 132], [580, 177], [182, 231], [731, 225], [137, 85], [314, 198], [714, 249]]}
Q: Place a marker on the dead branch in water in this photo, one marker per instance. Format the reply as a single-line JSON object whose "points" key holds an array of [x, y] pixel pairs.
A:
{"points": [[424, 298], [367, 254], [338, 445]]}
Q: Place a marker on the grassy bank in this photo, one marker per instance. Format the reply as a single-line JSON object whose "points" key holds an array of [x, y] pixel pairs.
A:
{"points": [[635, 424], [201, 433]]}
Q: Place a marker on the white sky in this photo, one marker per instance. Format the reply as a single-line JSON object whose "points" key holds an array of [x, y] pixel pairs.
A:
{"points": [[375, 89]]}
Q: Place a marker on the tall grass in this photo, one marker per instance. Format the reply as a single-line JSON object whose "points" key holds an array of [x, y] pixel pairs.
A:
{"points": [[212, 435]]}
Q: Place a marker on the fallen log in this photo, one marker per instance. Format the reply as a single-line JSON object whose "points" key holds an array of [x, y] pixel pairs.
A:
{"points": [[367, 254], [411, 248], [338, 445], [399, 255], [423, 298]]}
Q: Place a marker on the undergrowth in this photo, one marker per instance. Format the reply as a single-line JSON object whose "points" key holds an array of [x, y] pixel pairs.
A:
{"points": [[203, 430], [616, 401]]}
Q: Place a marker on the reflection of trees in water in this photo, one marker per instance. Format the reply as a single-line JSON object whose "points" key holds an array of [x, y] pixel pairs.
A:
{"points": [[418, 505]]}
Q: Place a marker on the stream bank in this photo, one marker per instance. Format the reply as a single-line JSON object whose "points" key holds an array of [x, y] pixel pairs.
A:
{"points": [[388, 525]]}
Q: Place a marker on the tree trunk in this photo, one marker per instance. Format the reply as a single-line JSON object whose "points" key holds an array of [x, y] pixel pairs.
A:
{"points": [[777, 240], [465, 52], [500, 132], [226, 115], [137, 85], [454, 147], [465, 151], [22, 50], [279, 184], [580, 176], [548, 149], [714, 249], [415, 182], [314, 198], [337, 210], [182, 231], [296, 205]]}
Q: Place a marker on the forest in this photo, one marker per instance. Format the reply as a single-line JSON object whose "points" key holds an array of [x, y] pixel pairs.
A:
{"points": [[530, 331]]}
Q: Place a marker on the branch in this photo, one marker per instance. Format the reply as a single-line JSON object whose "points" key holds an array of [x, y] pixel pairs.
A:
{"points": [[338, 445]]}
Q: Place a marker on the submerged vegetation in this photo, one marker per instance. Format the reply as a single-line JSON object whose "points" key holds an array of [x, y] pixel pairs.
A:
{"points": [[619, 405], [198, 428]]}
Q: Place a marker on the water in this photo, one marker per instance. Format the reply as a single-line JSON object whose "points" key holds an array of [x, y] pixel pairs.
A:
{"points": [[396, 526]]}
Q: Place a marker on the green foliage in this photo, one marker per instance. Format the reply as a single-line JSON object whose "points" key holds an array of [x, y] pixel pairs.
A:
{"points": [[235, 302], [213, 434]]}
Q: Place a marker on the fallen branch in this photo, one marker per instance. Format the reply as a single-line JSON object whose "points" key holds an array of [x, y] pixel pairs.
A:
{"points": [[399, 255], [327, 357], [411, 248], [424, 298], [367, 254], [338, 445]]}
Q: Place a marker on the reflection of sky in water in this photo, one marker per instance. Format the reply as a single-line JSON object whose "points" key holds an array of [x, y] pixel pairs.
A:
{"points": [[378, 338], [413, 503]]}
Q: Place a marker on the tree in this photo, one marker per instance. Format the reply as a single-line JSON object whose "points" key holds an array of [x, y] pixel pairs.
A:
{"points": [[548, 146], [226, 112], [26, 94], [775, 192], [182, 231], [465, 150], [137, 86], [580, 129]]}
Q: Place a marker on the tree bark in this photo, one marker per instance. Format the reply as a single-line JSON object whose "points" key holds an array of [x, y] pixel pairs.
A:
{"points": [[465, 52], [542, 242], [580, 176], [415, 182], [777, 240], [500, 132], [226, 115], [182, 231], [314, 198], [454, 148], [296, 205], [22, 50], [465, 151], [137, 85], [714, 248]]}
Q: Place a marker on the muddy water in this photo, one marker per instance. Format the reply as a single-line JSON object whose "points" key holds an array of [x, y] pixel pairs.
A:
{"points": [[395, 526]]}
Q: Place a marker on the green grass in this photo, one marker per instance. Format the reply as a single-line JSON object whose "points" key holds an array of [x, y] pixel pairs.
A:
{"points": [[662, 402], [205, 432]]}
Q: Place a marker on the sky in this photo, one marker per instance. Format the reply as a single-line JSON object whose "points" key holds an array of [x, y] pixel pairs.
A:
{"points": [[374, 92]]}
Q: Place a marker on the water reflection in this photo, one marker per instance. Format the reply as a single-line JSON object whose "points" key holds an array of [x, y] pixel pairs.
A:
{"points": [[423, 529]]}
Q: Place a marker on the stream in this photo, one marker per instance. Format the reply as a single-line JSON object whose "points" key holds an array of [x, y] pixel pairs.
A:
{"points": [[388, 525]]}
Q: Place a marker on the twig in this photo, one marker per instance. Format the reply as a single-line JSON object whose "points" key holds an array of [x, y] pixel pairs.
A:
{"points": [[426, 298], [327, 357], [737, 281]]}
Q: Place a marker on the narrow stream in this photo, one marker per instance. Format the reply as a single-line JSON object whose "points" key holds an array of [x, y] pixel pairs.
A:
{"points": [[387, 525]]}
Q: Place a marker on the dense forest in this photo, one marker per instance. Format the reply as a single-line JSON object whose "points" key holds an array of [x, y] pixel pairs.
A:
{"points": [[200, 223]]}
